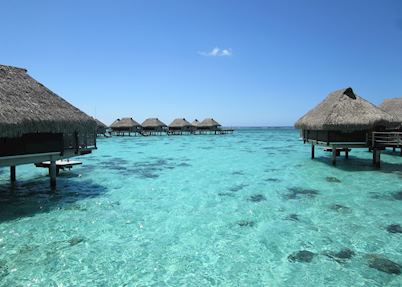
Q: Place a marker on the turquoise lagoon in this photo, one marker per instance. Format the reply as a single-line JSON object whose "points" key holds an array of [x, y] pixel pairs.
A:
{"points": [[202, 211]]}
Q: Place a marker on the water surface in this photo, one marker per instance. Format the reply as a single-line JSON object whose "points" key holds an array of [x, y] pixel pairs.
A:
{"points": [[218, 210]]}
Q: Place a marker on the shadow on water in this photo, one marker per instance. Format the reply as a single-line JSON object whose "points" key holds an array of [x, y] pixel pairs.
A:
{"points": [[361, 164], [28, 198]]}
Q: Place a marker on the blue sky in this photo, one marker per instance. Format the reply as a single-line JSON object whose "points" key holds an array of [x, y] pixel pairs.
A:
{"points": [[241, 62]]}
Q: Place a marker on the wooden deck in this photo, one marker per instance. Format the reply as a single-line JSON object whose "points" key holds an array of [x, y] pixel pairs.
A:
{"points": [[375, 142], [213, 132], [60, 164]]}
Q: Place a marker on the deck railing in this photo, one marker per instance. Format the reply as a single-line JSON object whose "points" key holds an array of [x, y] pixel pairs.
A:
{"points": [[386, 139], [79, 141]]}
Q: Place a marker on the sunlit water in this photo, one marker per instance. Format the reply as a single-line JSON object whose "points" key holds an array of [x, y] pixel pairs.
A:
{"points": [[202, 211]]}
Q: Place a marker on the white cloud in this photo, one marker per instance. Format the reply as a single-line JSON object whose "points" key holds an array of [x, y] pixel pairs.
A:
{"points": [[217, 52]]}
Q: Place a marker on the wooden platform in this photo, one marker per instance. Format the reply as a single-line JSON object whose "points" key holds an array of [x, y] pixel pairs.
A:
{"points": [[60, 164]]}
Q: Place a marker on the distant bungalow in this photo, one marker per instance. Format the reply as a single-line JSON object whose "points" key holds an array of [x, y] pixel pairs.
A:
{"points": [[100, 128], [36, 125], [179, 126], [195, 123], [153, 126], [394, 108], [125, 125], [344, 121], [210, 126]]}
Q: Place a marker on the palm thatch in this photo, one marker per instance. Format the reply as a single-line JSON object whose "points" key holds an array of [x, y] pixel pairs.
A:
{"points": [[393, 107], [153, 124], [195, 123], [100, 127], [180, 123], [208, 124], [27, 106], [125, 124], [343, 110]]}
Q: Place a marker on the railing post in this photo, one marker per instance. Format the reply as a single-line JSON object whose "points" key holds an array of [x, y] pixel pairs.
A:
{"points": [[373, 139]]}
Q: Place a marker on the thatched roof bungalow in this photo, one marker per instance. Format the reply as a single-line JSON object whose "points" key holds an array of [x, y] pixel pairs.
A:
{"points": [[209, 124], [38, 125], [120, 126], [154, 124], [394, 108], [344, 112], [180, 124], [343, 120], [195, 123], [100, 127]]}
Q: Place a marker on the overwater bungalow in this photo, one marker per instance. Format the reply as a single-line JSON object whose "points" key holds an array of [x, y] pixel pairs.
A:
{"points": [[194, 125], [36, 125], [344, 121], [153, 126], [100, 128], [123, 126], [394, 107], [179, 126], [210, 126]]}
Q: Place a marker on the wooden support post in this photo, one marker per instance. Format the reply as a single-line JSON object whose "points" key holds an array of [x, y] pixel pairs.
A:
{"points": [[52, 173], [346, 153], [333, 156], [401, 152], [378, 159], [312, 151], [374, 156], [13, 177], [393, 149]]}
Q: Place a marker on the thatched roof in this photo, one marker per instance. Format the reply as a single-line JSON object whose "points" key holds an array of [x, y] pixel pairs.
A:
{"points": [[195, 123], [153, 123], [125, 123], [209, 123], [26, 106], [99, 124], [393, 107], [345, 111], [180, 123]]}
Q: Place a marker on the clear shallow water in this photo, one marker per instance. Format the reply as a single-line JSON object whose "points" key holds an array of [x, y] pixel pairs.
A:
{"points": [[202, 211]]}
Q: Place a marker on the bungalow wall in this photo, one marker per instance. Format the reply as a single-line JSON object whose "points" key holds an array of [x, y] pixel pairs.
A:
{"points": [[335, 136], [34, 143]]}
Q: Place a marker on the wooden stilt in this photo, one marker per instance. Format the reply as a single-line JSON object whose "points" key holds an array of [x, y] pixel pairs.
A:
{"points": [[333, 156], [378, 159], [13, 177], [312, 151], [52, 173], [374, 157], [401, 152], [346, 153], [393, 149]]}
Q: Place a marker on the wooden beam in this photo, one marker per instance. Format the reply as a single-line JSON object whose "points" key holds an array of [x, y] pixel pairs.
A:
{"points": [[346, 153], [12, 174]]}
